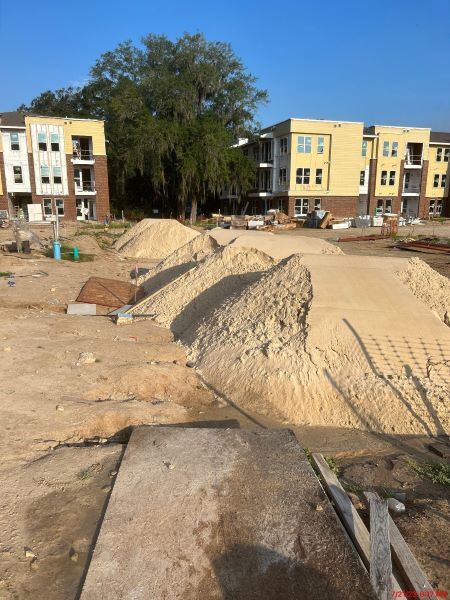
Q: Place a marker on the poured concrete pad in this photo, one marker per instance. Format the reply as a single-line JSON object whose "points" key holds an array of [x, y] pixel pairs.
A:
{"points": [[214, 513]]}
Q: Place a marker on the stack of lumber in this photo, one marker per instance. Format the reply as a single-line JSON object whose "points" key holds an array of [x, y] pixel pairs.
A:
{"points": [[327, 218]]}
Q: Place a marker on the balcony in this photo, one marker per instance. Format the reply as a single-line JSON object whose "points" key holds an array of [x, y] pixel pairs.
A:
{"points": [[264, 192], [85, 188], [82, 153], [413, 161], [411, 190], [83, 157], [413, 155]]}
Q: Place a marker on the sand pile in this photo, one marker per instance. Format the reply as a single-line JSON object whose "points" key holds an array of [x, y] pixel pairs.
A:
{"points": [[177, 263], [193, 296], [429, 286], [293, 345], [154, 238], [86, 244], [276, 245], [152, 381]]}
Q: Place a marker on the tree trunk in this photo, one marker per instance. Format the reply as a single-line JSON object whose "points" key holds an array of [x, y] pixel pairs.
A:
{"points": [[193, 211]]}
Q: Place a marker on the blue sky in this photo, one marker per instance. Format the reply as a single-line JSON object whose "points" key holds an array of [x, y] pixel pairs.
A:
{"points": [[378, 61]]}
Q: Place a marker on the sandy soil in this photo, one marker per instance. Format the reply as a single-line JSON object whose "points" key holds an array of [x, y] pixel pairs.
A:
{"points": [[65, 426]]}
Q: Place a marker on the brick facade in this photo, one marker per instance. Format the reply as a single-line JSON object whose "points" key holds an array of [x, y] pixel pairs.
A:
{"points": [[339, 206], [70, 212], [101, 185], [423, 203]]}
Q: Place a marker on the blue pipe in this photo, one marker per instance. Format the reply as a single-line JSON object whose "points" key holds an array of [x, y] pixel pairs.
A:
{"points": [[56, 250]]}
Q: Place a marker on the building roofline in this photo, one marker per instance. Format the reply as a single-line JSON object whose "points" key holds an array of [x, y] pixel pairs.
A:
{"points": [[404, 127], [312, 121], [63, 118]]}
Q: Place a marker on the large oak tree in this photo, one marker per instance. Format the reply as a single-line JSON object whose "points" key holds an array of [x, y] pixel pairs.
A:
{"points": [[172, 110]]}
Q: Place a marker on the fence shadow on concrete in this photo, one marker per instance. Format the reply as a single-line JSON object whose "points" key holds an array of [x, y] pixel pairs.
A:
{"points": [[385, 357]]}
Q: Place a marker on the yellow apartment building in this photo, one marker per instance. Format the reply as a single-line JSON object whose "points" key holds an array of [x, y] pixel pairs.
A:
{"points": [[52, 166], [349, 169]]}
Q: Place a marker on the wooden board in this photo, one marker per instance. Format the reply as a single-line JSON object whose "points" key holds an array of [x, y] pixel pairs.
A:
{"points": [[326, 220], [109, 292], [348, 514], [380, 547], [406, 563]]}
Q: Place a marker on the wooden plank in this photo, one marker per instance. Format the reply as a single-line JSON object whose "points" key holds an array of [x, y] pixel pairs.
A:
{"points": [[326, 220], [348, 513], [344, 507], [406, 563], [380, 546]]}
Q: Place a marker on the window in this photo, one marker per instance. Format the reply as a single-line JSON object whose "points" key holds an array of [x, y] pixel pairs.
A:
{"points": [[385, 148], [282, 179], [436, 181], [380, 207], [362, 178], [388, 206], [318, 176], [394, 150], [47, 207], [364, 148], [317, 204], [435, 207], [439, 154], [443, 180], [255, 152], [17, 174], [301, 208], [42, 142], [304, 144], [391, 177], [283, 146], [54, 142], [383, 177], [446, 154], [57, 178], [45, 174], [59, 204], [14, 139], [320, 145], [303, 176]]}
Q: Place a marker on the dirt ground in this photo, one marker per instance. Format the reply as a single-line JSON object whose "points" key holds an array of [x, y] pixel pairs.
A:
{"points": [[65, 424]]}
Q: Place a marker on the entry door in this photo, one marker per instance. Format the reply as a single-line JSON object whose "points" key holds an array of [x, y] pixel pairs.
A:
{"points": [[82, 209]]}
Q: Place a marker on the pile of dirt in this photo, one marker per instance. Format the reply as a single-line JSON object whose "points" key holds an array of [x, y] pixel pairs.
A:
{"points": [[154, 238], [195, 294], [429, 286], [288, 345], [276, 245], [87, 244], [154, 381], [177, 263]]}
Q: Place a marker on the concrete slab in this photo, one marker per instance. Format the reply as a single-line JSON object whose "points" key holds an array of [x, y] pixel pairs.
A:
{"points": [[220, 513], [81, 308]]}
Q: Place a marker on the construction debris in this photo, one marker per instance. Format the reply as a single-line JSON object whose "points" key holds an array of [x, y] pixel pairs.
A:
{"points": [[81, 309]]}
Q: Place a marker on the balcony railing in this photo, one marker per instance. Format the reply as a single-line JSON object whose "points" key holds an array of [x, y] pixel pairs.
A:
{"points": [[413, 160], [85, 186], [81, 154], [411, 189]]}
